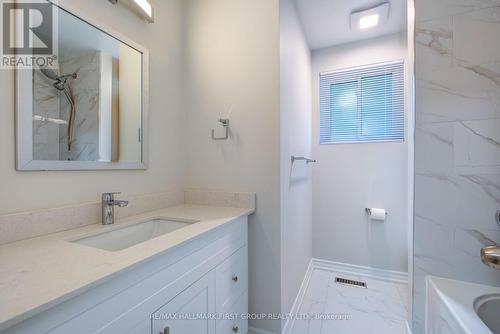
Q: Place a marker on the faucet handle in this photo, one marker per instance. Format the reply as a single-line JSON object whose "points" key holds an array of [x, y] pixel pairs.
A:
{"points": [[109, 196]]}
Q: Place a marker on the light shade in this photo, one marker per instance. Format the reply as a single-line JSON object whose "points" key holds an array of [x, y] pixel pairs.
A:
{"points": [[142, 7], [146, 7], [369, 18]]}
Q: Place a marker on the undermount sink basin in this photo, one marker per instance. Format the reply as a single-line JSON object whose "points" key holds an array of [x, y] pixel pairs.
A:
{"points": [[124, 237], [488, 309]]}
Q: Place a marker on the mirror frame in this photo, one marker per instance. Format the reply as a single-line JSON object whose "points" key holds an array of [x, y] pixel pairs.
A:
{"points": [[24, 113]]}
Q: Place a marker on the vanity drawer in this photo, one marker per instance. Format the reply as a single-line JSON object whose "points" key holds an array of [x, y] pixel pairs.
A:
{"points": [[231, 279], [238, 325]]}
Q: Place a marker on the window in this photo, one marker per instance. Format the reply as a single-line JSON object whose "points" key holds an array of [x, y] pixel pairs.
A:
{"points": [[362, 105]]}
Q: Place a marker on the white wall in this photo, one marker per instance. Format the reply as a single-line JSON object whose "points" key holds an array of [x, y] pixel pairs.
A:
{"points": [[350, 177], [296, 180], [232, 61], [23, 191]]}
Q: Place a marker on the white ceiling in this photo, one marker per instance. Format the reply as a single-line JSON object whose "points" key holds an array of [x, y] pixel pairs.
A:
{"points": [[327, 22]]}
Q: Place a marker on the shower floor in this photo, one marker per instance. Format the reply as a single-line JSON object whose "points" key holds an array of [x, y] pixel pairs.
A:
{"points": [[381, 308]]}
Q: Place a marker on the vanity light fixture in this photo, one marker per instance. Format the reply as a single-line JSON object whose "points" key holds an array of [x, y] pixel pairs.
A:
{"points": [[371, 17], [141, 7]]}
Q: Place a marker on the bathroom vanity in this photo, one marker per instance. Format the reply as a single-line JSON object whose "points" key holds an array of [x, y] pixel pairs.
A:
{"points": [[190, 279]]}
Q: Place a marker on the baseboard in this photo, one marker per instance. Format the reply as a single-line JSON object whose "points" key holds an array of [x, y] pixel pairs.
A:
{"points": [[375, 273], [407, 328], [254, 330], [298, 300]]}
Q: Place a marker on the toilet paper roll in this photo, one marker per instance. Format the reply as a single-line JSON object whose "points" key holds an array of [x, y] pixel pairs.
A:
{"points": [[377, 214]]}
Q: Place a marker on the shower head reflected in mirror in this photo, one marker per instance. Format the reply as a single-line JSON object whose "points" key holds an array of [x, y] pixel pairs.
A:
{"points": [[60, 80]]}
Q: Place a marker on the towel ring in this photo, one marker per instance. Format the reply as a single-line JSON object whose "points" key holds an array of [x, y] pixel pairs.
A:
{"points": [[225, 124]]}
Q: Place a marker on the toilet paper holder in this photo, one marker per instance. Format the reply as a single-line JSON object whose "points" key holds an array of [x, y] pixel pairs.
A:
{"points": [[369, 211]]}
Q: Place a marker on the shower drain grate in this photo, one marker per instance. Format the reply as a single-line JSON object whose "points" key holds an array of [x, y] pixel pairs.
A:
{"points": [[350, 282]]}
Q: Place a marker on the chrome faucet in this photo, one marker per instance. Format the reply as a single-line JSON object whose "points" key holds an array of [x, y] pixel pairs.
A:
{"points": [[491, 256], [108, 207]]}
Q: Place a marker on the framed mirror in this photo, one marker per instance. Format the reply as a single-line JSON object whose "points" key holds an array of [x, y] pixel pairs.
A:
{"points": [[87, 111]]}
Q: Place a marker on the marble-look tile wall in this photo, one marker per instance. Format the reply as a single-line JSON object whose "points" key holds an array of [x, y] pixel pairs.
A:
{"points": [[85, 89], [457, 157], [45, 107], [50, 140]]}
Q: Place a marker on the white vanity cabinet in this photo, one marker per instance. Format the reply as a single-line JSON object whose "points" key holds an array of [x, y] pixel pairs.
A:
{"points": [[199, 287]]}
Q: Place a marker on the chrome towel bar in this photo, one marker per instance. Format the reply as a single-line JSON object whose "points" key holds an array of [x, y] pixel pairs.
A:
{"points": [[307, 160]]}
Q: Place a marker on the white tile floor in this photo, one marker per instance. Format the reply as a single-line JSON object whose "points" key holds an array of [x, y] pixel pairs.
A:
{"points": [[382, 308]]}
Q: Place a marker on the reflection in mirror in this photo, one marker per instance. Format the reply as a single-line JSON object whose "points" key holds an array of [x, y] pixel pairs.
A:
{"points": [[89, 108]]}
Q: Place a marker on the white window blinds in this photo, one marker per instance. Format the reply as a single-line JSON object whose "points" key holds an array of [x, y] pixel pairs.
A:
{"points": [[362, 105]]}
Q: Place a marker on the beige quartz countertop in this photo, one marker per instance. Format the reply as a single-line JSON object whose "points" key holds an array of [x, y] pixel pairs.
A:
{"points": [[39, 273]]}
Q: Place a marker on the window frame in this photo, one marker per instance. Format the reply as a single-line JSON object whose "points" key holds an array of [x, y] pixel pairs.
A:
{"points": [[375, 70]]}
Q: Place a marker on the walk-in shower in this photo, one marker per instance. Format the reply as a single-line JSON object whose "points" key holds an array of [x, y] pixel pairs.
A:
{"points": [[61, 84]]}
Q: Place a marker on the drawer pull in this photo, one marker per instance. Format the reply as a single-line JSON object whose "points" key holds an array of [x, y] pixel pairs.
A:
{"points": [[235, 279], [236, 329]]}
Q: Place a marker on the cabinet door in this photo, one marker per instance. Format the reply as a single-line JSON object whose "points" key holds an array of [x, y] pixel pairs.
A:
{"points": [[231, 279], [190, 311]]}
